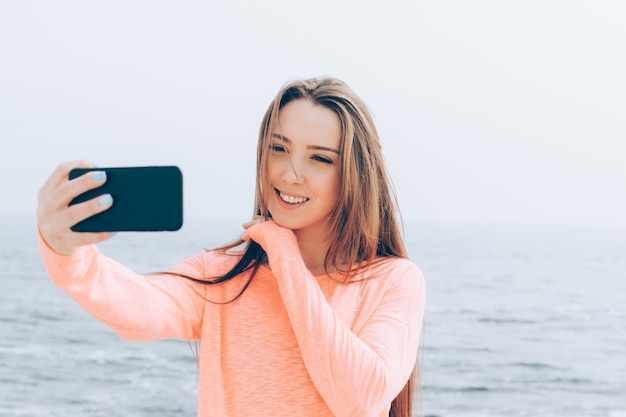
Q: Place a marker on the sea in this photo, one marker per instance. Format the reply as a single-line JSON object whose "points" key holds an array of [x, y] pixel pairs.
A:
{"points": [[521, 320]]}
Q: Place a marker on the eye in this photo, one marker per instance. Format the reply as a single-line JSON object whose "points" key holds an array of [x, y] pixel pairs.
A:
{"points": [[323, 159], [277, 148]]}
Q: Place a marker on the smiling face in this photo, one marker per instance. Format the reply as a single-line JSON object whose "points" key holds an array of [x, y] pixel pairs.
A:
{"points": [[303, 167]]}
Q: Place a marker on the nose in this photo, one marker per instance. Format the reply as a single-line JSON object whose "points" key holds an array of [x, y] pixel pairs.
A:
{"points": [[291, 173]]}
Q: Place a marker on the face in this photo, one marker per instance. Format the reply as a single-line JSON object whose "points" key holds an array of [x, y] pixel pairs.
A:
{"points": [[303, 167]]}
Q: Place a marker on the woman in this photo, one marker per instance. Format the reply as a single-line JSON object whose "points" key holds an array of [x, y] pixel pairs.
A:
{"points": [[315, 311]]}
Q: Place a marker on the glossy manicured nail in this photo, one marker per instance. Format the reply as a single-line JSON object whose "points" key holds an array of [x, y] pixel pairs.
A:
{"points": [[105, 200], [99, 175]]}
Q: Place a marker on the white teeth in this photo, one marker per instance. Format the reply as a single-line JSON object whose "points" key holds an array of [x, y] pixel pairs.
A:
{"points": [[293, 200]]}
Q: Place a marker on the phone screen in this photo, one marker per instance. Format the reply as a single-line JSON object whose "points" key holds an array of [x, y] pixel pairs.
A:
{"points": [[147, 198]]}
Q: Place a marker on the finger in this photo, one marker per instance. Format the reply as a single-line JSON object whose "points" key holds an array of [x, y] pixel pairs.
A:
{"points": [[71, 189], [252, 223], [81, 211], [59, 222], [60, 199], [256, 219], [249, 226], [58, 233], [59, 176]]}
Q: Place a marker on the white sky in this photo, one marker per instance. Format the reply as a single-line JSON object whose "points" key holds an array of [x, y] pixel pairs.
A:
{"points": [[505, 111]]}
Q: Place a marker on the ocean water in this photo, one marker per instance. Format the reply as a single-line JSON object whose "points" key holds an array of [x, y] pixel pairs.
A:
{"points": [[520, 321]]}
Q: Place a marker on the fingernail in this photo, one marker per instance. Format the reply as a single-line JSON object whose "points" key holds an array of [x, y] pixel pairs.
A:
{"points": [[105, 200], [99, 175]]}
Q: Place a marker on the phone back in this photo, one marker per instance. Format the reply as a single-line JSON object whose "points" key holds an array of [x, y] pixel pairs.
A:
{"points": [[148, 198]]}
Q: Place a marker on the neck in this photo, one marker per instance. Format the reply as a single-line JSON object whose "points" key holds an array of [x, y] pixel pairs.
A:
{"points": [[313, 247]]}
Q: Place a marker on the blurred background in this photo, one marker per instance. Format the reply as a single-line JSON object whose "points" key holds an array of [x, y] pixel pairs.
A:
{"points": [[502, 125]]}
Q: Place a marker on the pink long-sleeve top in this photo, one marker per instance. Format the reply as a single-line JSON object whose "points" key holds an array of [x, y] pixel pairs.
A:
{"points": [[291, 345]]}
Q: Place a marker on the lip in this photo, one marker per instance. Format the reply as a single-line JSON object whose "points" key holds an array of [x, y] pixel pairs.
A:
{"points": [[284, 203], [289, 194]]}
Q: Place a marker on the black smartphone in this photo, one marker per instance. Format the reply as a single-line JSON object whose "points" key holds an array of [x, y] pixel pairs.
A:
{"points": [[145, 199]]}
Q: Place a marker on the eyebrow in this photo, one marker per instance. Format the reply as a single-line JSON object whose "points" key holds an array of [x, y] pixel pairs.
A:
{"points": [[317, 147]]}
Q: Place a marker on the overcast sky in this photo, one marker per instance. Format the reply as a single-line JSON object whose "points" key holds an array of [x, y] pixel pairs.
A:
{"points": [[504, 111]]}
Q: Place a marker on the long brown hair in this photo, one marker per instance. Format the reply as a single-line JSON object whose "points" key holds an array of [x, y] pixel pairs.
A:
{"points": [[365, 222]]}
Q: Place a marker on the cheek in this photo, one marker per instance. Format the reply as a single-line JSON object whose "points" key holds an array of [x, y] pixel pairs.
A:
{"points": [[274, 168], [333, 188]]}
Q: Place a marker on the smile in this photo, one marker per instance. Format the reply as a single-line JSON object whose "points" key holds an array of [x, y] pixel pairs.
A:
{"points": [[291, 199]]}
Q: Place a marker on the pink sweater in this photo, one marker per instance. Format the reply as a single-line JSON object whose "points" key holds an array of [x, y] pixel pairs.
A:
{"points": [[291, 345]]}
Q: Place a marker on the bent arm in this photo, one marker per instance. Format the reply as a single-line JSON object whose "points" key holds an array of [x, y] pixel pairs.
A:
{"points": [[136, 307], [356, 374]]}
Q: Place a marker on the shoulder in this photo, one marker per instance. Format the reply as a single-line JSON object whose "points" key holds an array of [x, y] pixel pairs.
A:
{"points": [[396, 270], [405, 286], [399, 276], [403, 265]]}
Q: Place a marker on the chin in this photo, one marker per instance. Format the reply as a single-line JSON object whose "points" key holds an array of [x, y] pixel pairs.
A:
{"points": [[285, 223]]}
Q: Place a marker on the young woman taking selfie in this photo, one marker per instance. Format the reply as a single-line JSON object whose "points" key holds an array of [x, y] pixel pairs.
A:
{"points": [[315, 311]]}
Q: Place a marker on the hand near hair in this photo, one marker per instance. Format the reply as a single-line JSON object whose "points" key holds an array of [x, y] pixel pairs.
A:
{"points": [[268, 234], [55, 216]]}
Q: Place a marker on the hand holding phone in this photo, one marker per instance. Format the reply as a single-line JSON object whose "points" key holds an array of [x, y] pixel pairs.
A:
{"points": [[148, 198]]}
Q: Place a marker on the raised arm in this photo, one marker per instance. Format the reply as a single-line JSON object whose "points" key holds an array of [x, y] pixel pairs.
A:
{"points": [[135, 306]]}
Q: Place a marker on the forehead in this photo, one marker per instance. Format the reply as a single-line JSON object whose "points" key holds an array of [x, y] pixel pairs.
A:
{"points": [[307, 123]]}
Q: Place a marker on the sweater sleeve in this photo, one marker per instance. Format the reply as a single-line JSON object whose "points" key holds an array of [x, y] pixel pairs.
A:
{"points": [[136, 307], [356, 374]]}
